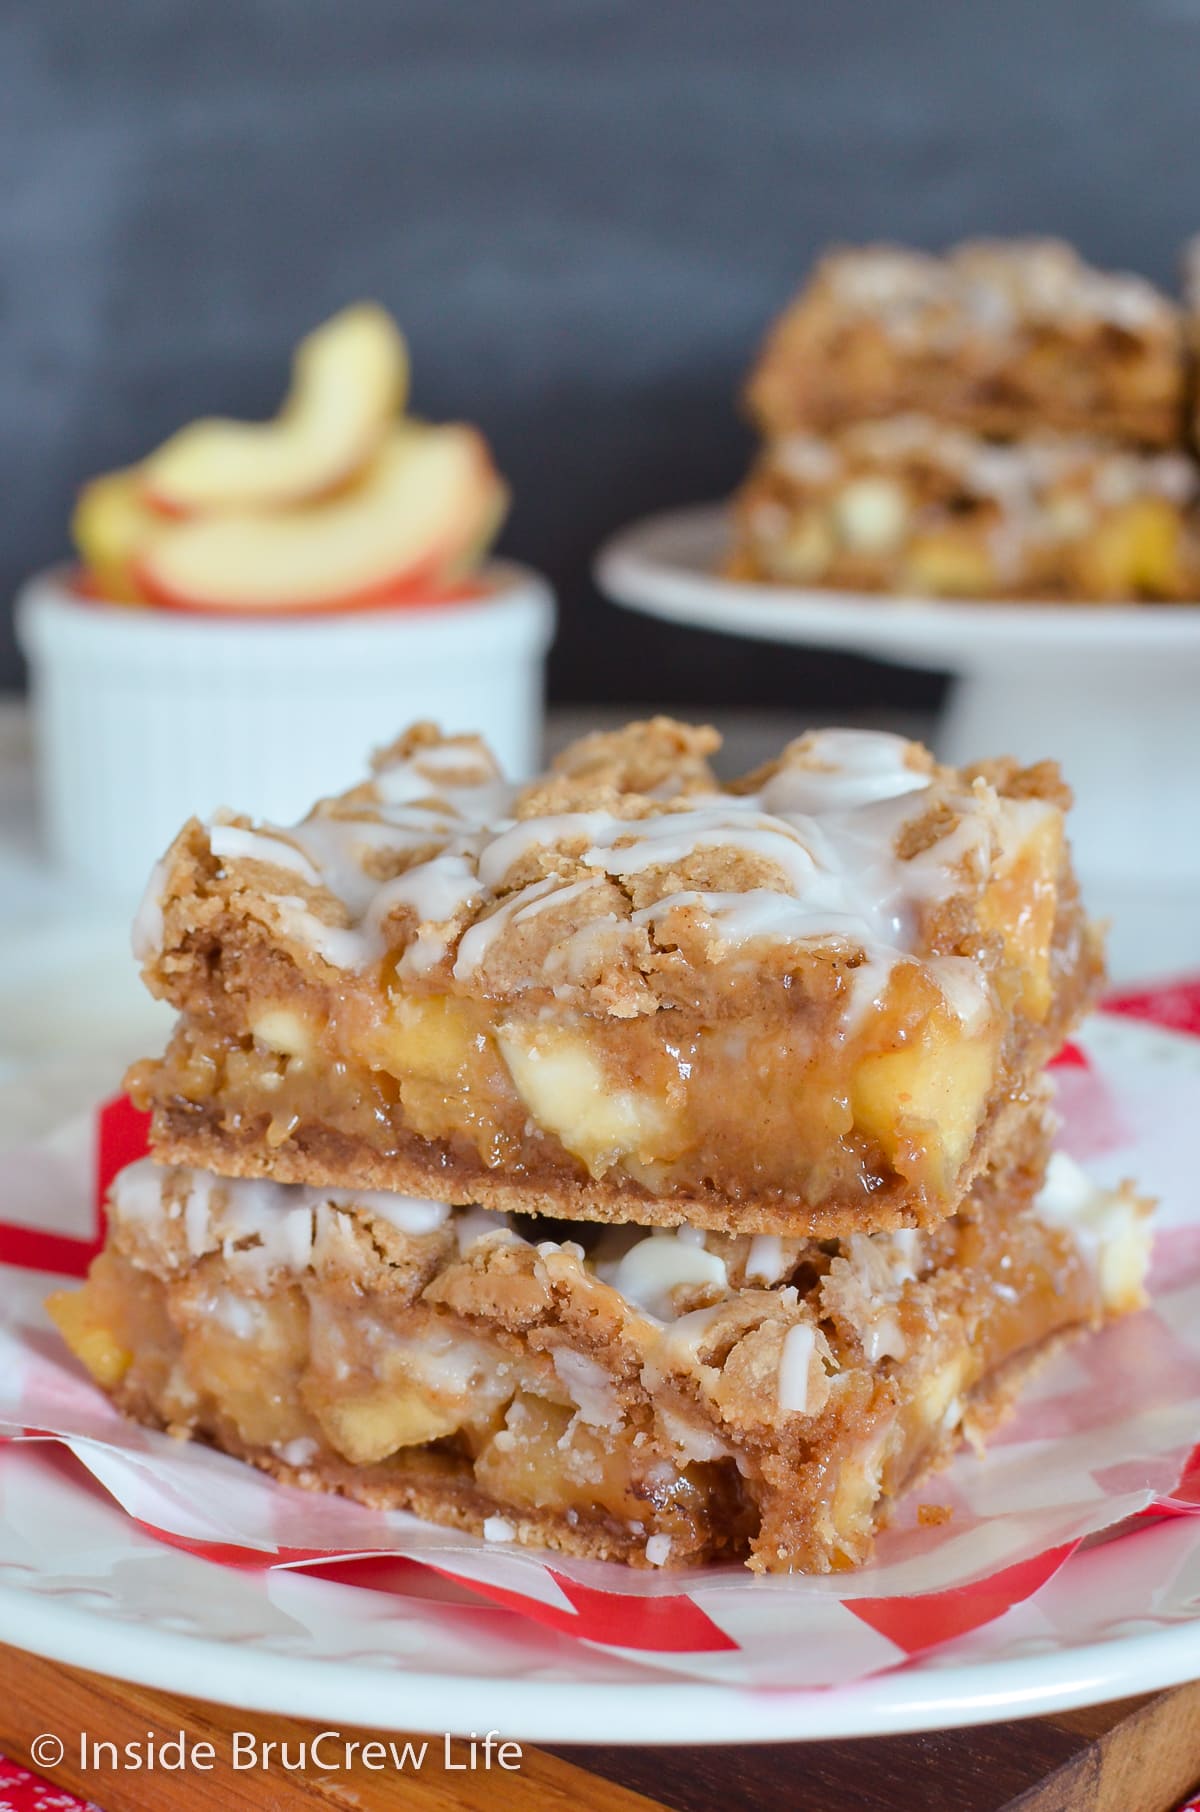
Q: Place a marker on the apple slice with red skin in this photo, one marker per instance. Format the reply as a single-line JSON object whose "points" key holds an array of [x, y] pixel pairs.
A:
{"points": [[429, 504], [349, 382], [111, 525]]}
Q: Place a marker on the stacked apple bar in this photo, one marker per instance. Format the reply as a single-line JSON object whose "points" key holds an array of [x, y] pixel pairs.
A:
{"points": [[627, 1162], [1003, 421]]}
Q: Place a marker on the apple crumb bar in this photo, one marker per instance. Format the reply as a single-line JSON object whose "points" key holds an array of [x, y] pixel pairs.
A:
{"points": [[912, 505], [994, 336], [652, 1396], [807, 1002]]}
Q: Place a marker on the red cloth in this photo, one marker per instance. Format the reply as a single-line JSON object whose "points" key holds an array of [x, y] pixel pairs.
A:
{"points": [[21, 1791]]}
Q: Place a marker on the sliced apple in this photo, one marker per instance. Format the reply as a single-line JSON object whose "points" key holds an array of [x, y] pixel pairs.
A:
{"points": [[431, 498], [349, 381], [111, 526]]}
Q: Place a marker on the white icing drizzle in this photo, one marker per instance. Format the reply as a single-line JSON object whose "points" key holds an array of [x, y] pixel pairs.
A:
{"points": [[622, 849], [857, 892], [870, 1281], [795, 1359], [515, 841], [765, 1263], [478, 938], [735, 919], [883, 1337], [589, 1386], [441, 758], [654, 1267], [682, 1341], [904, 1246], [406, 1213], [260, 1224], [1067, 1193], [232, 842], [868, 986], [845, 768], [434, 891], [466, 763], [988, 286], [556, 896], [137, 1193], [297, 1452], [823, 829], [473, 1224], [343, 946]]}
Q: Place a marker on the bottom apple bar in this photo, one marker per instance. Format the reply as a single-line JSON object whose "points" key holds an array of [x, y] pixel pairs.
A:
{"points": [[655, 1397]]}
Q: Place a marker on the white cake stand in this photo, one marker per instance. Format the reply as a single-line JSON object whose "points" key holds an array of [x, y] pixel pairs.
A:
{"points": [[1112, 691]]}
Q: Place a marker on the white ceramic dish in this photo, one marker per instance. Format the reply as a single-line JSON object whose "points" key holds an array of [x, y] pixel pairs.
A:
{"points": [[1110, 690], [144, 717]]}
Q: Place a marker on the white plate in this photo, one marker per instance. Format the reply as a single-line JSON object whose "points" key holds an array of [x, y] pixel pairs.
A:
{"points": [[81, 1583], [1109, 690], [280, 1642]]}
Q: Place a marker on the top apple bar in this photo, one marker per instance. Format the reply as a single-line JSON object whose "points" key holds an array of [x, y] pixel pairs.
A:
{"points": [[814, 1000], [997, 336]]}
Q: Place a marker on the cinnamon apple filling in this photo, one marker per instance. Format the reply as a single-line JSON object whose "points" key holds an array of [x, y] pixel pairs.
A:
{"points": [[662, 1396]]}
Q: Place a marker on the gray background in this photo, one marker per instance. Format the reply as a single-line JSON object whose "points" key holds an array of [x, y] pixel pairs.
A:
{"points": [[583, 213]]}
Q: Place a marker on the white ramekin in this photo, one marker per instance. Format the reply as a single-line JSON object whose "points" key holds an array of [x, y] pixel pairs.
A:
{"points": [[143, 717]]}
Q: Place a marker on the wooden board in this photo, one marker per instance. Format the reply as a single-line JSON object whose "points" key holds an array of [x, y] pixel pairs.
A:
{"points": [[1141, 1755]]}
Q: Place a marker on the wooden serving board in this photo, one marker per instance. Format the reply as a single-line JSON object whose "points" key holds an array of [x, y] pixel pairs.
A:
{"points": [[1140, 1755]]}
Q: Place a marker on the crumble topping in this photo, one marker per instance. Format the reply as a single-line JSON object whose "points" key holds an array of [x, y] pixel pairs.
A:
{"points": [[997, 336], [627, 864]]}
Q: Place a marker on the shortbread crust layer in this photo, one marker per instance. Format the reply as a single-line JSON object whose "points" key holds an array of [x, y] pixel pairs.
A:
{"points": [[1015, 1135]]}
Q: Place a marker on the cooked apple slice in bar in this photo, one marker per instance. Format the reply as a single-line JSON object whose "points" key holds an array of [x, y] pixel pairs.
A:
{"points": [[349, 381], [430, 498]]}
